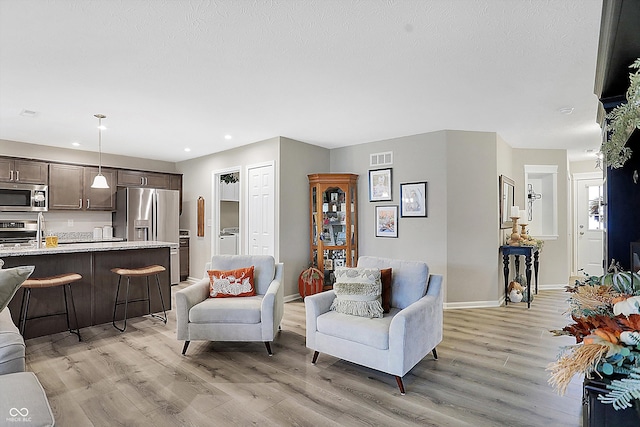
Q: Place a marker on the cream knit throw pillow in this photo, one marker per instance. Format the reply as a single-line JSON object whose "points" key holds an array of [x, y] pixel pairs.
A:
{"points": [[358, 292]]}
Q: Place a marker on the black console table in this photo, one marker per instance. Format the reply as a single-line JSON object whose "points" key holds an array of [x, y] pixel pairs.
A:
{"points": [[529, 252]]}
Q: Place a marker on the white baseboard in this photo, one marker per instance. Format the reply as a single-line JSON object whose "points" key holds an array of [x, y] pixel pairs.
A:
{"points": [[292, 297], [472, 304], [551, 287]]}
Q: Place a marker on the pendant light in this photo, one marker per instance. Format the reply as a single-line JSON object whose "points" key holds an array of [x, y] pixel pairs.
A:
{"points": [[100, 181]]}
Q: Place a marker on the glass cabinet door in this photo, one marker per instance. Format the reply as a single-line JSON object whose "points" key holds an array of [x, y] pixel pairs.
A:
{"points": [[333, 222]]}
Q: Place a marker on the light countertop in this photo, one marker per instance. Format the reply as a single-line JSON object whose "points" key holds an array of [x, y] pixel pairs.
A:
{"points": [[84, 247]]}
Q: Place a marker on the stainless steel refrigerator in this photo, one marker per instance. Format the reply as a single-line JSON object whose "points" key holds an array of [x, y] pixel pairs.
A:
{"points": [[149, 214]]}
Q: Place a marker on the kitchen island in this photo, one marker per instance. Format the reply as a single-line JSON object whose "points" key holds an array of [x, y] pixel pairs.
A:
{"points": [[94, 295]]}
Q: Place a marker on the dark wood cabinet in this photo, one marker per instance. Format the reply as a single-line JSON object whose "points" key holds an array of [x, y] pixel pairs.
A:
{"points": [[184, 258], [99, 199], [175, 183], [23, 171], [132, 178], [70, 188]]}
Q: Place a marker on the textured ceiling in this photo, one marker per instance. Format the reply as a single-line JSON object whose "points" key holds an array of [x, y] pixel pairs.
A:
{"points": [[175, 74]]}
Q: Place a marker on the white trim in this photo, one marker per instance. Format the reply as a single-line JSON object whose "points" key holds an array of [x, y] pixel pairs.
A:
{"points": [[576, 177], [552, 287], [292, 297], [540, 169], [553, 237], [214, 222], [276, 206], [547, 170], [471, 304]]}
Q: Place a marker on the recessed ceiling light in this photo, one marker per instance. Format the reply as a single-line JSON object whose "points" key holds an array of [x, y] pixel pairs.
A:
{"points": [[566, 110], [28, 113], [187, 149], [75, 144], [228, 136]]}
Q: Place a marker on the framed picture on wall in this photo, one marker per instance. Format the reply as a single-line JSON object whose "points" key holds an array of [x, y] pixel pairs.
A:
{"points": [[413, 196], [380, 185], [386, 221]]}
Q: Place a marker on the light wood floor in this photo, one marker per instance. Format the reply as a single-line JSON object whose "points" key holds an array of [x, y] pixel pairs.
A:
{"points": [[490, 372]]}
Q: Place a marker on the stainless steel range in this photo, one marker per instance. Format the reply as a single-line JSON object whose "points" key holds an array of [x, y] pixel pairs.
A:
{"points": [[15, 232]]}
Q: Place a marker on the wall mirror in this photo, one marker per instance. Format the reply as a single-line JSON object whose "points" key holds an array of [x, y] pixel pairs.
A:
{"points": [[507, 199]]}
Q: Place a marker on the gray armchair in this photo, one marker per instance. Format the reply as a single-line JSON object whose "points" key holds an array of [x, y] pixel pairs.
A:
{"points": [[252, 318], [394, 343]]}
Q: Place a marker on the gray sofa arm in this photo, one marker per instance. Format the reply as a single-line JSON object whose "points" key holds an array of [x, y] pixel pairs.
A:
{"points": [[185, 299], [417, 329], [316, 305], [271, 310], [12, 349]]}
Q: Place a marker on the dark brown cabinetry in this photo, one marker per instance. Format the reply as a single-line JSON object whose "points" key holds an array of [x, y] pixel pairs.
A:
{"points": [[23, 171], [184, 258], [131, 178], [70, 188], [175, 183]]}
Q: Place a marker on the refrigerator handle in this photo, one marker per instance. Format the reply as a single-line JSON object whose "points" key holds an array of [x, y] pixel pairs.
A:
{"points": [[154, 216]]}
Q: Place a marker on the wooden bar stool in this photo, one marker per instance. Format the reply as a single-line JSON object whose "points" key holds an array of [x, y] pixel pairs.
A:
{"points": [[147, 271], [63, 280]]}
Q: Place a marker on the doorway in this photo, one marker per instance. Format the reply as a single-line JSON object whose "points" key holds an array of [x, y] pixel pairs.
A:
{"points": [[588, 223], [261, 224], [226, 213]]}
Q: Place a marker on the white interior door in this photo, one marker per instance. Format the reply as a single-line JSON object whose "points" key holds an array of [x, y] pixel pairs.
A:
{"points": [[261, 210], [589, 224]]}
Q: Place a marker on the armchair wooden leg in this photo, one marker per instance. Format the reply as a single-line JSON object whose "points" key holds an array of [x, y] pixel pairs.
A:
{"points": [[435, 355], [315, 357], [184, 349], [400, 385], [266, 344]]}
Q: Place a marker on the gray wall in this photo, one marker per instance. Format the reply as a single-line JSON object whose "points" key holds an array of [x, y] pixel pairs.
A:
{"points": [[555, 255], [415, 158], [196, 181], [297, 160], [472, 212]]}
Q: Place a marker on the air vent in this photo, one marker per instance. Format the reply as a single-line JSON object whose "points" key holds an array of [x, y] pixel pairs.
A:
{"points": [[381, 159]]}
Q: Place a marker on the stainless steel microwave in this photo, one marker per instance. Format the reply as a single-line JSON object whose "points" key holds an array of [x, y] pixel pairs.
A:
{"points": [[23, 197]]}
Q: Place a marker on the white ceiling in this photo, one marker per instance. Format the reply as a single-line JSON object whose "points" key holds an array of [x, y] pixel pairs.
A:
{"points": [[184, 73]]}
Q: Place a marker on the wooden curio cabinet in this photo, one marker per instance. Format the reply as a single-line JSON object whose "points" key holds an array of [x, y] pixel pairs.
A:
{"points": [[333, 207]]}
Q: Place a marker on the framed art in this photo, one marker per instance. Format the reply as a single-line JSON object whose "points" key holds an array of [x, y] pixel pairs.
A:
{"points": [[328, 264], [413, 196], [386, 221], [507, 199], [380, 185]]}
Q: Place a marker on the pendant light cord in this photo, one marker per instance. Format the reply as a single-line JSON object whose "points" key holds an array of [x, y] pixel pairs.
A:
{"points": [[100, 117]]}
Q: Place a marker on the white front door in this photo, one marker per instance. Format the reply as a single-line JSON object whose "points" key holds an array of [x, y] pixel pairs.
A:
{"points": [[261, 221], [589, 224]]}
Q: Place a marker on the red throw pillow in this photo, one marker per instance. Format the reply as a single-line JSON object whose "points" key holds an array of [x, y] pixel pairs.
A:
{"points": [[231, 283], [385, 278]]}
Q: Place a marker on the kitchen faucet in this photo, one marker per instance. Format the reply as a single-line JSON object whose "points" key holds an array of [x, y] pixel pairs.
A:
{"points": [[40, 230]]}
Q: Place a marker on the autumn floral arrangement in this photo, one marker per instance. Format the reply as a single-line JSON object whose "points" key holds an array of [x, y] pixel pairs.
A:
{"points": [[606, 325]]}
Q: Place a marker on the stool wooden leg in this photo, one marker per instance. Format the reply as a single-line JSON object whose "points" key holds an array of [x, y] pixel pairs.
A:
{"points": [[148, 296], [75, 313], [161, 300], [26, 296], [126, 301]]}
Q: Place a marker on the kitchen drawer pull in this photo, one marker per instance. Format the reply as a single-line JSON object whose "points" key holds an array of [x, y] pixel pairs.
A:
{"points": [[17, 175], [11, 176], [88, 204], [80, 203]]}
